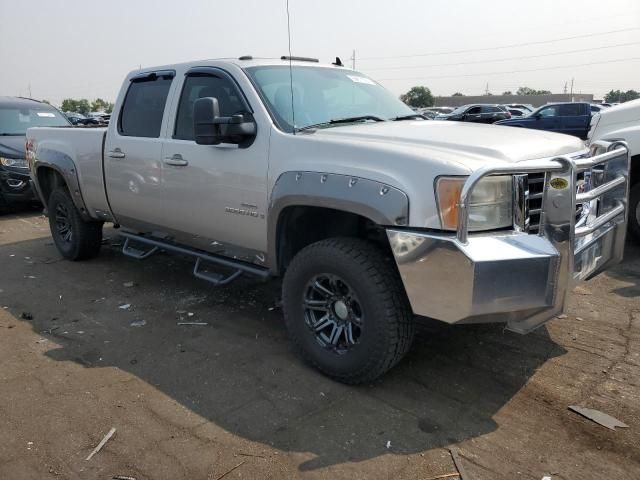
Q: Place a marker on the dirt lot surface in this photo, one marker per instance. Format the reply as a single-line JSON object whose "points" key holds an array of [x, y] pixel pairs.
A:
{"points": [[196, 402]]}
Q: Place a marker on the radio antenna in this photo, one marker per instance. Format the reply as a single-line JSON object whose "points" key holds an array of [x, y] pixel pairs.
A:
{"points": [[293, 113]]}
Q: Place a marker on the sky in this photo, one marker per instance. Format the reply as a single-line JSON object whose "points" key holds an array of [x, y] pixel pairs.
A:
{"points": [[82, 49]]}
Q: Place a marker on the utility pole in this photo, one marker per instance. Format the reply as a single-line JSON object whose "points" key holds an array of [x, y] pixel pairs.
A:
{"points": [[353, 60], [565, 88], [572, 89], [486, 90], [30, 91]]}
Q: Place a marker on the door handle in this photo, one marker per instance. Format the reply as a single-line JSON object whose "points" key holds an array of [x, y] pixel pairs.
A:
{"points": [[116, 153], [176, 161]]}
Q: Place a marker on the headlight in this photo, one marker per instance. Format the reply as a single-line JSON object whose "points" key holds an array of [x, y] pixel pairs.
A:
{"points": [[490, 206], [14, 162]]}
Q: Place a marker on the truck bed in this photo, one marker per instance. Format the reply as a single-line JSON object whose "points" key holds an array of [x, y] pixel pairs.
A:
{"points": [[84, 146]]}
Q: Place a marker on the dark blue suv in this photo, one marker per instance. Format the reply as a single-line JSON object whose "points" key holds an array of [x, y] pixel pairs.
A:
{"points": [[569, 118], [16, 115]]}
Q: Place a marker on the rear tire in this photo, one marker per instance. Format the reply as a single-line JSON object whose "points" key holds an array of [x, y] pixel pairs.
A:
{"points": [[75, 238], [361, 296], [634, 212]]}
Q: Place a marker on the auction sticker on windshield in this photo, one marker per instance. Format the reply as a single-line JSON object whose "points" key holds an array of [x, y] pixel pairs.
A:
{"points": [[357, 79]]}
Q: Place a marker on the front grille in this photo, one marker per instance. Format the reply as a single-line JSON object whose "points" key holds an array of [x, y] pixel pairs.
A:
{"points": [[536, 191], [537, 182]]}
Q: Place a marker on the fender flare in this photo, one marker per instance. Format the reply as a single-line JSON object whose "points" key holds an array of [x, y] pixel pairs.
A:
{"points": [[66, 167], [377, 201]]}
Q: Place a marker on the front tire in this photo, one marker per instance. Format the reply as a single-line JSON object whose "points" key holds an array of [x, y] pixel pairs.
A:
{"points": [[634, 212], [346, 310], [74, 238]]}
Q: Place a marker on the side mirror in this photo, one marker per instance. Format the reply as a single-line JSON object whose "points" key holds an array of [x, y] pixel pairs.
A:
{"points": [[538, 116], [212, 129]]}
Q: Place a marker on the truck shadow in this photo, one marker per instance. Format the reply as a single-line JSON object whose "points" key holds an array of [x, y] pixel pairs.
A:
{"points": [[627, 271], [240, 373]]}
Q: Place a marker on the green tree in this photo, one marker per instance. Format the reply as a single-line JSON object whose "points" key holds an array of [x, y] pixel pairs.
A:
{"points": [[508, 92], [457, 94], [418, 97], [100, 105], [531, 91], [46, 101], [73, 105], [621, 96]]}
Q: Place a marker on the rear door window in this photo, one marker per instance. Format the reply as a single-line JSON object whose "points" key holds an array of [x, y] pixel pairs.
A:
{"points": [[143, 107], [474, 110], [571, 110]]}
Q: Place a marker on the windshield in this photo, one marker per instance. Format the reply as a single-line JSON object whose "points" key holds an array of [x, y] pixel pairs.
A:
{"points": [[15, 120], [323, 94], [459, 110]]}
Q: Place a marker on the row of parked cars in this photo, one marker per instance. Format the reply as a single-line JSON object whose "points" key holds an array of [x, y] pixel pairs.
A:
{"points": [[569, 118], [91, 118]]}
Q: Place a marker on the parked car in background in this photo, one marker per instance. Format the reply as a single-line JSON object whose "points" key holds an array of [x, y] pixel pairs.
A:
{"points": [[476, 113], [74, 117], [521, 106], [570, 118], [595, 108], [622, 122], [16, 116], [516, 112]]}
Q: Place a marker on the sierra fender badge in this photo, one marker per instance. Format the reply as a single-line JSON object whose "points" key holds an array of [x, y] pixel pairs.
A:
{"points": [[559, 183]]}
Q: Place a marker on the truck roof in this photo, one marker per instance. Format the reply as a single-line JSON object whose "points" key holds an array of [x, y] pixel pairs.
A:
{"points": [[247, 61]]}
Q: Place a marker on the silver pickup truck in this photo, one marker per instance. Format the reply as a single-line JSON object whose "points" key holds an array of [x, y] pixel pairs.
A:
{"points": [[316, 173]]}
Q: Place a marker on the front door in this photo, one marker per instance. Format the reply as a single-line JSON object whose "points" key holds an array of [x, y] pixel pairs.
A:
{"points": [[547, 119], [215, 195], [132, 153]]}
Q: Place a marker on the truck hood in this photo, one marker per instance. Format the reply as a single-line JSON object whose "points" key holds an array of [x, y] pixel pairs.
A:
{"points": [[12, 146], [465, 143]]}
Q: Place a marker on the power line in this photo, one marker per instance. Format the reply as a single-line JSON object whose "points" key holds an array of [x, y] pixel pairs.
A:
{"points": [[513, 71], [504, 59], [513, 45]]}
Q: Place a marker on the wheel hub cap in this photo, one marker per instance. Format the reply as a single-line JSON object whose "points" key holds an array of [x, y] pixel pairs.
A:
{"points": [[341, 310], [333, 313]]}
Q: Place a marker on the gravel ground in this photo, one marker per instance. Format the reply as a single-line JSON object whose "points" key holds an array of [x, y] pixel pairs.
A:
{"points": [[196, 402]]}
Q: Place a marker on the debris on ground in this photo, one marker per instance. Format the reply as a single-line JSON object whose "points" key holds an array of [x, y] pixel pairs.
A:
{"points": [[123, 477], [125, 306], [546, 477], [562, 316], [101, 444], [138, 323], [26, 316], [198, 324], [242, 454], [446, 475], [230, 470], [388, 444], [128, 284], [598, 417], [457, 461]]}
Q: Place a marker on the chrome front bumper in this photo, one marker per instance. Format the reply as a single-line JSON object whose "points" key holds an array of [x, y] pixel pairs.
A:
{"points": [[516, 277]]}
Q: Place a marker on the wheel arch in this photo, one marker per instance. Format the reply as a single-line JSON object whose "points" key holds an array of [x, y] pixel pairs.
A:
{"points": [[306, 207], [53, 169]]}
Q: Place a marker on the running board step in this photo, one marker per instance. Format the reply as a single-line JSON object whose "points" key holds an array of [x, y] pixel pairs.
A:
{"points": [[216, 278], [200, 270], [136, 253]]}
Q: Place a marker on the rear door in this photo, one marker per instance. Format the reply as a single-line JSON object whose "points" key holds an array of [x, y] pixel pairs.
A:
{"points": [[575, 118], [491, 114], [215, 195], [132, 152]]}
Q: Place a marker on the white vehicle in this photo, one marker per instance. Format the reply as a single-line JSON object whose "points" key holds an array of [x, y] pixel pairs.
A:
{"points": [[622, 122], [285, 167]]}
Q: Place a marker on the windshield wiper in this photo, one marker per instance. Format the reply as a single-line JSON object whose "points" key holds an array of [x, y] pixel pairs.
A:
{"points": [[12, 134], [341, 120], [412, 116]]}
